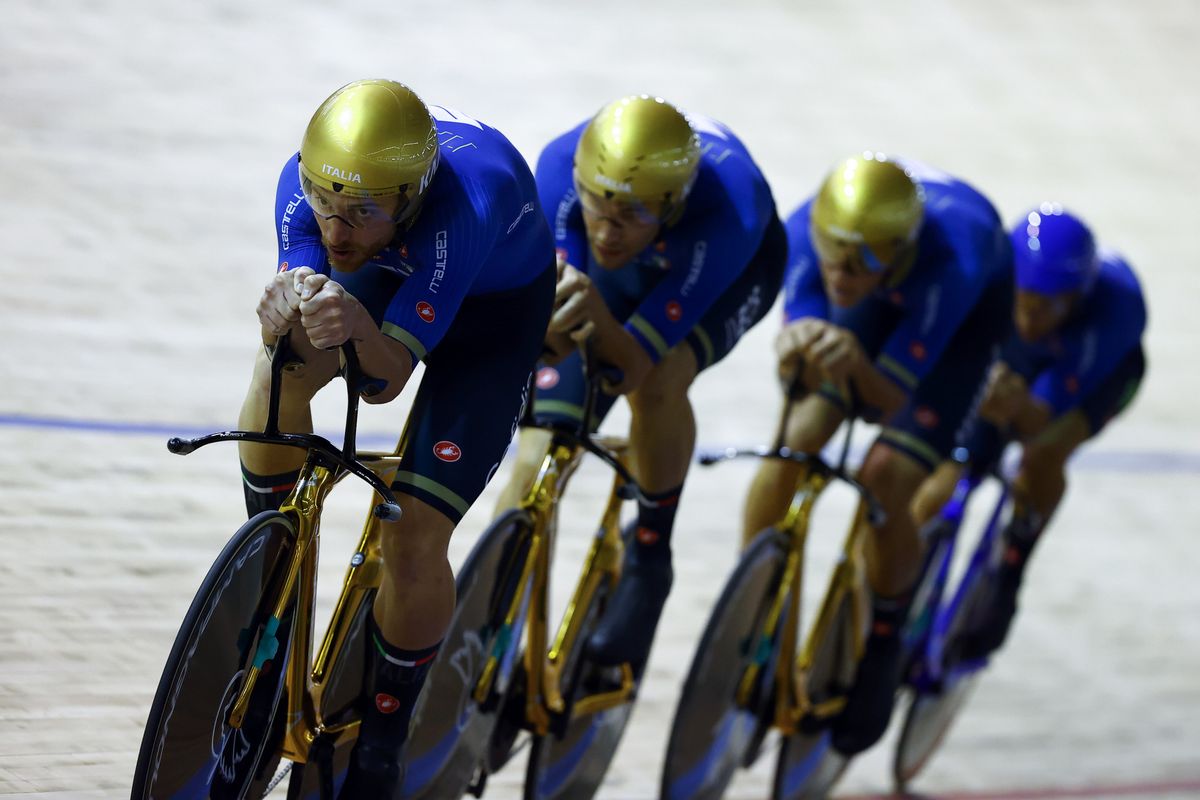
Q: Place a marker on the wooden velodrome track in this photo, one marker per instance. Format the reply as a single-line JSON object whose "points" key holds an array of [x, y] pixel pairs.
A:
{"points": [[140, 144]]}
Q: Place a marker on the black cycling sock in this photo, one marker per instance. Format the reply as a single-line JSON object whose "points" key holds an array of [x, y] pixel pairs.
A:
{"points": [[655, 521], [888, 614], [393, 681], [869, 703], [266, 492], [1020, 537]]}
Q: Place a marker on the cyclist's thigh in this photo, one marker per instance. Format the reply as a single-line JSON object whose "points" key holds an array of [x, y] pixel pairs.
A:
{"points": [[893, 474], [1053, 445], [472, 395], [1070, 429], [935, 491], [302, 377], [741, 306], [1116, 392], [562, 391], [927, 427]]}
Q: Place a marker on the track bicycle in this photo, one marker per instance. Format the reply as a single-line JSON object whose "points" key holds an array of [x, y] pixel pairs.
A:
{"points": [[241, 691], [498, 676], [940, 670], [750, 674]]}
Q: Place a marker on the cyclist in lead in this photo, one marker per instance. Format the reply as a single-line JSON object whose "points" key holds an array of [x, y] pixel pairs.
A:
{"points": [[669, 250], [898, 289], [1073, 362], [416, 234]]}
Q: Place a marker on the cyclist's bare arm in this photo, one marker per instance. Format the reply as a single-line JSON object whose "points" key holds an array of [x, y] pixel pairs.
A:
{"points": [[1008, 403], [877, 390], [331, 316], [1033, 417], [328, 316]]}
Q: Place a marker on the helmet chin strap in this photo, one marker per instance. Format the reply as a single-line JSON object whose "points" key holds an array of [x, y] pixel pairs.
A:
{"points": [[898, 270], [674, 213], [406, 217]]}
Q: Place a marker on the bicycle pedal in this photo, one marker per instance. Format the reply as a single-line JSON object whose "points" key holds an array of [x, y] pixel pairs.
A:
{"points": [[610, 676], [478, 782], [812, 724], [320, 753]]}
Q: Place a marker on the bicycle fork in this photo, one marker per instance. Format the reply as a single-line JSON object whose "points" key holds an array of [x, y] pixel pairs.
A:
{"points": [[847, 579], [787, 598], [604, 561], [545, 670], [539, 503], [793, 700], [297, 578]]}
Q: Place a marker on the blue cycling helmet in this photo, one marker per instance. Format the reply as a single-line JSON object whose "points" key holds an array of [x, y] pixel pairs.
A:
{"points": [[1054, 252]]}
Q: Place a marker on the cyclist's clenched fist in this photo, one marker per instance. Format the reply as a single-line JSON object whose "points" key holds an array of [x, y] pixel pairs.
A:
{"points": [[1006, 393], [825, 351], [330, 315], [577, 302], [279, 306]]}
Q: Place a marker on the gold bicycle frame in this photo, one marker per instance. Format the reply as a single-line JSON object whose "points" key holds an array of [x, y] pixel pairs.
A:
{"points": [[544, 667], [792, 699], [305, 687]]}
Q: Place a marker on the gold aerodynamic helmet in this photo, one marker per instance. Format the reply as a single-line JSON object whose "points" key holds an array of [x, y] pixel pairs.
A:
{"points": [[371, 138], [868, 204], [640, 150]]}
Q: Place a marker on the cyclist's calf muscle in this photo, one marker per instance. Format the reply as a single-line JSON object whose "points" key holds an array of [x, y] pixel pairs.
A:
{"points": [[663, 426], [935, 491], [893, 549], [1041, 480], [416, 596]]}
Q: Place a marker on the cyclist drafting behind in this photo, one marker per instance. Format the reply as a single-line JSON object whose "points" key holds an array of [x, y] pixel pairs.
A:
{"points": [[898, 287], [414, 240], [1074, 362], [669, 250]]}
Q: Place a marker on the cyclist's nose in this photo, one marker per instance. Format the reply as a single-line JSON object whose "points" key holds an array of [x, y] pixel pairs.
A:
{"points": [[337, 230], [607, 233], [840, 277]]}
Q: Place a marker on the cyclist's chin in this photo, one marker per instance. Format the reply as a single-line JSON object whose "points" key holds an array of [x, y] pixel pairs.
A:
{"points": [[610, 257], [345, 259], [845, 299]]}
